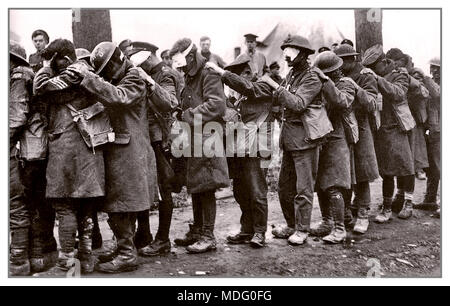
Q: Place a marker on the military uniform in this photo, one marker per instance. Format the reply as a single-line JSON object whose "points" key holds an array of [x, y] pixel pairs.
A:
{"points": [[249, 177], [75, 175], [36, 61]]}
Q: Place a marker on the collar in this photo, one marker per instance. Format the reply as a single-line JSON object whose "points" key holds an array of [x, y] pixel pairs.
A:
{"points": [[157, 68]]}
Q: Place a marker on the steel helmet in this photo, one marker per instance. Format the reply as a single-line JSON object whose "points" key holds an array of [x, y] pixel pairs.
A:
{"points": [[82, 53], [328, 61], [103, 53], [18, 51], [345, 50], [436, 61], [299, 42]]}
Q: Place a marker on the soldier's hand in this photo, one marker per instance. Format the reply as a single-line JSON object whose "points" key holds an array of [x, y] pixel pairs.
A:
{"points": [[49, 62], [214, 67], [79, 69], [369, 71], [145, 76], [267, 79], [322, 75]]}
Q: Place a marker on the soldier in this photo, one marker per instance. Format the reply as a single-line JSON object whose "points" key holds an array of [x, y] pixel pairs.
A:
{"points": [[117, 84], [346, 41], [433, 138], [163, 93], [257, 59], [205, 45], [202, 96], [125, 46], [417, 96], [394, 154], [366, 166], [323, 49], [40, 40], [301, 156], [335, 162], [21, 78], [275, 72], [75, 175], [248, 172]]}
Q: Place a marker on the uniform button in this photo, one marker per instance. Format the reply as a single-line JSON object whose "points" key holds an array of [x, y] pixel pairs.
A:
{"points": [[284, 108], [238, 109]]}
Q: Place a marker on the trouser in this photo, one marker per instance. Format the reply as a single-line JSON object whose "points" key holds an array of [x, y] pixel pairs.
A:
{"points": [[204, 209], [41, 211], [434, 170], [165, 209], [74, 214], [250, 191], [123, 225], [296, 186], [331, 202], [405, 183], [362, 196]]}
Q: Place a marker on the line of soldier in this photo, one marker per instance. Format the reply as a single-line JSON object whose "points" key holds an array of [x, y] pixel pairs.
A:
{"points": [[344, 122]]}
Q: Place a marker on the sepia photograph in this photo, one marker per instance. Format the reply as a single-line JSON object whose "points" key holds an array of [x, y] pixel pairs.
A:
{"points": [[224, 143]]}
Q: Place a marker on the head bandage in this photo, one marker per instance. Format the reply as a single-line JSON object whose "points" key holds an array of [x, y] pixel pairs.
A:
{"points": [[140, 57], [179, 59], [291, 52]]}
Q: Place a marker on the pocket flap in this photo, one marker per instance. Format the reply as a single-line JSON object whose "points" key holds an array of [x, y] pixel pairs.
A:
{"points": [[122, 138], [93, 110]]}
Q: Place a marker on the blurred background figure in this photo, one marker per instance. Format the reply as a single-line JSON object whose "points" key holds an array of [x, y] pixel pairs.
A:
{"points": [[40, 40]]}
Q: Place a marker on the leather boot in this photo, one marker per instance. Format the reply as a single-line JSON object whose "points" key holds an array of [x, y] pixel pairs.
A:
{"points": [[191, 237], [206, 243], [19, 264], [258, 240], [240, 238], [385, 214], [362, 221], [65, 261], [338, 234], [298, 238], [407, 210], [282, 232], [157, 247], [122, 225]]}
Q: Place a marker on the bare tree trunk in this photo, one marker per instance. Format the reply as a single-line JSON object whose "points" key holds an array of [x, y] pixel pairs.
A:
{"points": [[368, 27], [90, 27]]}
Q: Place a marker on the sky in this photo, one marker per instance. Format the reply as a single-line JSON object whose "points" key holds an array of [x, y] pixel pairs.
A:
{"points": [[416, 32]]}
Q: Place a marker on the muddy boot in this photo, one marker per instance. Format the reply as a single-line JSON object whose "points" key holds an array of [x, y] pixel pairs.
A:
{"points": [[298, 238], [206, 243], [157, 247], [40, 261], [240, 238], [107, 255], [397, 203], [362, 221], [65, 261], [282, 232], [407, 210], [258, 240], [428, 204], [325, 227], [19, 264], [385, 214], [420, 175], [191, 237], [338, 234]]}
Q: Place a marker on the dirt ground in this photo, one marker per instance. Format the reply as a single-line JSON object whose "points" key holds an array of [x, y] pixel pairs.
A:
{"points": [[400, 249]]}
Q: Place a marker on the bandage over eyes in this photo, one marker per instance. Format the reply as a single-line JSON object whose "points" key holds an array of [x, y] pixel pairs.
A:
{"points": [[140, 57], [179, 59], [291, 52]]}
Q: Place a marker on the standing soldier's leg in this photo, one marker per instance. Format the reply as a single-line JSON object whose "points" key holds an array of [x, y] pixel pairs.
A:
{"points": [[85, 231], [207, 240], [257, 183], [19, 223], [326, 226], [306, 167], [97, 240], [143, 236], [399, 198], [386, 208], [336, 200], [286, 194], [407, 207], [123, 226], [66, 213], [362, 192], [195, 230], [349, 216]]}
